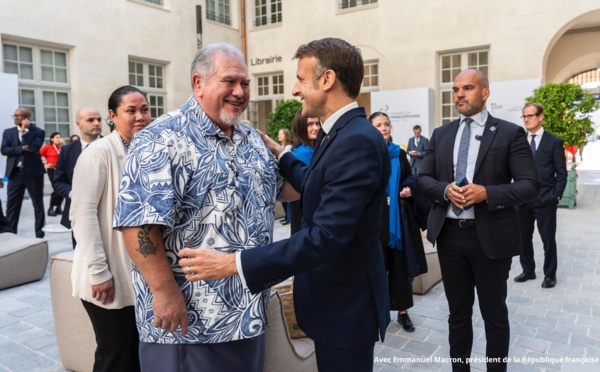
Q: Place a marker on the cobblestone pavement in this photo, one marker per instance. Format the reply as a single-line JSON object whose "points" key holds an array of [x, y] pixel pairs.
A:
{"points": [[547, 325]]}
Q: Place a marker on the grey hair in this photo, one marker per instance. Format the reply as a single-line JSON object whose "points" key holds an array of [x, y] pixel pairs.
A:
{"points": [[203, 63]]}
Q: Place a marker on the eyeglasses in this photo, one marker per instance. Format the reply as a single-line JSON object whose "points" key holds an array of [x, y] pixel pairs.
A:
{"points": [[528, 116], [19, 116]]}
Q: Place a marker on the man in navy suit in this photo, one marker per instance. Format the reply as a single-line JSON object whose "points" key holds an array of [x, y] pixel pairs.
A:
{"points": [[550, 162], [89, 122], [474, 225], [340, 288], [24, 169], [416, 149]]}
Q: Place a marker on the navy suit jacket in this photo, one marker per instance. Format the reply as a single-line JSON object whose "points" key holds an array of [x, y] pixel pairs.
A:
{"points": [[550, 163], [421, 148], [13, 148], [63, 176], [504, 166], [340, 288]]}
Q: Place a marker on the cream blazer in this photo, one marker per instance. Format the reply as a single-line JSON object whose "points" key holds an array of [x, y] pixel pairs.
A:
{"points": [[100, 253]]}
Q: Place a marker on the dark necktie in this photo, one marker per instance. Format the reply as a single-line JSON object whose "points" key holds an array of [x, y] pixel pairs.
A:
{"points": [[533, 149], [463, 158], [319, 139]]}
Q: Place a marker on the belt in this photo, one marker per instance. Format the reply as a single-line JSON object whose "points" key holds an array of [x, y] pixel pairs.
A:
{"points": [[463, 224]]}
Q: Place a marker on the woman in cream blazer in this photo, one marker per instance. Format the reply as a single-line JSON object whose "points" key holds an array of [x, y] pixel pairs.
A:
{"points": [[101, 275]]}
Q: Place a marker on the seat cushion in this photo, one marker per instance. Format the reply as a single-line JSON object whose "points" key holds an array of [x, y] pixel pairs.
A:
{"points": [[22, 260]]}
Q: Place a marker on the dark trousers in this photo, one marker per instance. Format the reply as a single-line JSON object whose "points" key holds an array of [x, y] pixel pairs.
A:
{"points": [[55, 199], [117, 338], [546, 224], [17, 183], [296, 216], [399, 283], [466, 268], [244, 356], [352, 359]]}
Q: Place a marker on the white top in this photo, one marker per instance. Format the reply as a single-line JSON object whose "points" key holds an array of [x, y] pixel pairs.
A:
{"points": [[100, 253]]}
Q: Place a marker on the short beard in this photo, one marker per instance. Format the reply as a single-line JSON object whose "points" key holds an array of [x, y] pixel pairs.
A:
{"points": [[229, 120], [469, 110]]}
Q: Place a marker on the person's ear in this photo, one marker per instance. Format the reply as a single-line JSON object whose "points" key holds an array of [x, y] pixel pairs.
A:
{"points": [[329, 78]]}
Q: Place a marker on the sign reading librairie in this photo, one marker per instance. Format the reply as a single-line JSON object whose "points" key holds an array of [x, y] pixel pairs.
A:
{"points": [[265, 61]]}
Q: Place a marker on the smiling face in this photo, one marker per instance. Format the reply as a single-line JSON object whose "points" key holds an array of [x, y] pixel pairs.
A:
{"points": [[382, 123], [308, 89], [225, 95], [470, 92], [312, 128], [132, 115]]}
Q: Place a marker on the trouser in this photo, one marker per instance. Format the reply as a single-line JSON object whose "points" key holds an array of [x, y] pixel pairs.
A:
{"points": [[117, 338], [243, 355], [466, 268], [546, 224], [18, 182]]}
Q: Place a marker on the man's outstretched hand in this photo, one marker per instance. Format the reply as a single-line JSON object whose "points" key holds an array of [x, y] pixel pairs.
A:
{"points": [[206, 264]]}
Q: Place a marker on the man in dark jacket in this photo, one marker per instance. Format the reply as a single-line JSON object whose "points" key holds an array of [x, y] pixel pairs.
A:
{"points": [[550, 162]]}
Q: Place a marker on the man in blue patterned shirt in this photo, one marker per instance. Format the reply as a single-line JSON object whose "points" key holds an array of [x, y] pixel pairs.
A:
{"points": [[197, 177]]}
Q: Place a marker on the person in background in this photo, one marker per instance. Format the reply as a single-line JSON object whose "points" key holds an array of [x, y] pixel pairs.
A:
{"points": [[549, 157], [416, 148], [21, 145], [285, 139], [89, 122], [401, 239], [101, 274], [476, 171], [73, 138], [51, 151], [305, 133]]}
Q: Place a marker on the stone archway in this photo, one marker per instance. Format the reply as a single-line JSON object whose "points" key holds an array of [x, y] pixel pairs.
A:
{"points": [[575, 48]]}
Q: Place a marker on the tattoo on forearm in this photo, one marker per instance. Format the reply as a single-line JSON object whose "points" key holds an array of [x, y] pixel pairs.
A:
{"points": [[147, 247]]}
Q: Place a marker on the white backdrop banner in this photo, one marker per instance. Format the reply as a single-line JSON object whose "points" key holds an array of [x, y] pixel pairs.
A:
{"points": [[507, 98], [406, 108], [9, 101]]}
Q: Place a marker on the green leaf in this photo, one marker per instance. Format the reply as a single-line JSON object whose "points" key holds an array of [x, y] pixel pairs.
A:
{"points": [[567, 110], [282, 117]]}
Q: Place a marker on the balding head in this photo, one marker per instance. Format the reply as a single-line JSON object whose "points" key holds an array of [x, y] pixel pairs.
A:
{"points": [[471, 91], [89, 122]]}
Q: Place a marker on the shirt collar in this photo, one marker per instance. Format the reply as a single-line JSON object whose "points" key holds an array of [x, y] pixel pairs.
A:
{"points": [[538, 134], [328, 124], [480, 118], [83, 144]]}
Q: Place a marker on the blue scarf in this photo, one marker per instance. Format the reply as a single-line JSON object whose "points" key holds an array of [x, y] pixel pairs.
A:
{"points": [[395, 240]]}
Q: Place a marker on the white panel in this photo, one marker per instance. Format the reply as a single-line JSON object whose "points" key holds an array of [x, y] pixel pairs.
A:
{"points": [[507, 98], [406, 108], [9, 96]]}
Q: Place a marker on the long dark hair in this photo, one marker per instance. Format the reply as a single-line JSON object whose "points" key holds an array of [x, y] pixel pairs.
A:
{"points": [[300, 130]]}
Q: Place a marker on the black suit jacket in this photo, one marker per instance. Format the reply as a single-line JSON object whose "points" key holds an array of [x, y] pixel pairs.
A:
{"points": [[550, 163], [12, 148], [504, 166], [340, 290], [63, 176]]}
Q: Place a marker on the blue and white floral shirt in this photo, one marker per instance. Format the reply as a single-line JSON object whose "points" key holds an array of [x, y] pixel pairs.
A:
{"points": [[184, 173]]}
